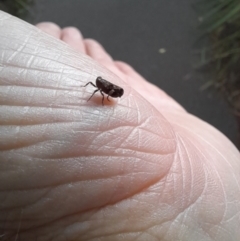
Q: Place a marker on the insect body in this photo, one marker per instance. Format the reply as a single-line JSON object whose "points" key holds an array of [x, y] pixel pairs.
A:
{"points": [[106, 87]]}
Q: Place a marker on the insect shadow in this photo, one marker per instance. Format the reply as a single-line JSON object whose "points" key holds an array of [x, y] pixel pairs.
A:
{"points": [[106, 87]]}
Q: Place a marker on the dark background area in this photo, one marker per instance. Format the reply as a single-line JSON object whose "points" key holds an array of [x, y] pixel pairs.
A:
{"points": [[133, 31]]}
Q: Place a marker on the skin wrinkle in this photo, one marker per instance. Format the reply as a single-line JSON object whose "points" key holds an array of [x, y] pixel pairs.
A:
{"points": [[153, 133], [63, 183], [54, 61], [224, 195], [71, 90], [204, 140], [191, 167], [34, 230], [183, 179], [128, 156], [137, 234], [80, 181], [174, 178], [31, 95], [44, 192], [190, 130], [117, 224], [205, 188], [116, 154], [127, 141], [19, 50], [119, 147], [125, 230], [37, 119], [9, 101], [91, 230], [53, 191], [59, 185], [27, 145], [97, 148], [175, 191], [24, 136]]}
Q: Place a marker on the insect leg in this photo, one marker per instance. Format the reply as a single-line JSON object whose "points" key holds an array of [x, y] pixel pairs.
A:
{"points": [[102, 96], [93, 94], [88, 84], [108, 99]]}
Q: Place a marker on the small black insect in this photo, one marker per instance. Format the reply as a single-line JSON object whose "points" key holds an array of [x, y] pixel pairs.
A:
{"points": [[106, 87]]}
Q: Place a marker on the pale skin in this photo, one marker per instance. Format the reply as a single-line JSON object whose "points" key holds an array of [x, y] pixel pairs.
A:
{"points": [[138, 168]]}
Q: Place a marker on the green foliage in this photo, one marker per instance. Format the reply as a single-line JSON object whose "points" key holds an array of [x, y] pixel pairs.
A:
{"points": [[18, 8], [220, 22]]}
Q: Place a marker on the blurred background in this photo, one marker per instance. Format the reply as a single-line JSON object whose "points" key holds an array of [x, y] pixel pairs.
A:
{"points": [[157, 37]]}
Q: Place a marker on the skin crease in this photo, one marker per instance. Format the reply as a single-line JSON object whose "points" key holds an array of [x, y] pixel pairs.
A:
{"points": [[138, 168]]}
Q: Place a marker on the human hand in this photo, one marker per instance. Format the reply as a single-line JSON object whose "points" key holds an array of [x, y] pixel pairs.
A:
{"points": [[139, 168]]}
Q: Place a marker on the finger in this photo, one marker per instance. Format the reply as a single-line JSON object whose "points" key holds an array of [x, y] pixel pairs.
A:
{"points": [[50, 28], [74, 38], [152, 93], [134, 79], [97, 52]]}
